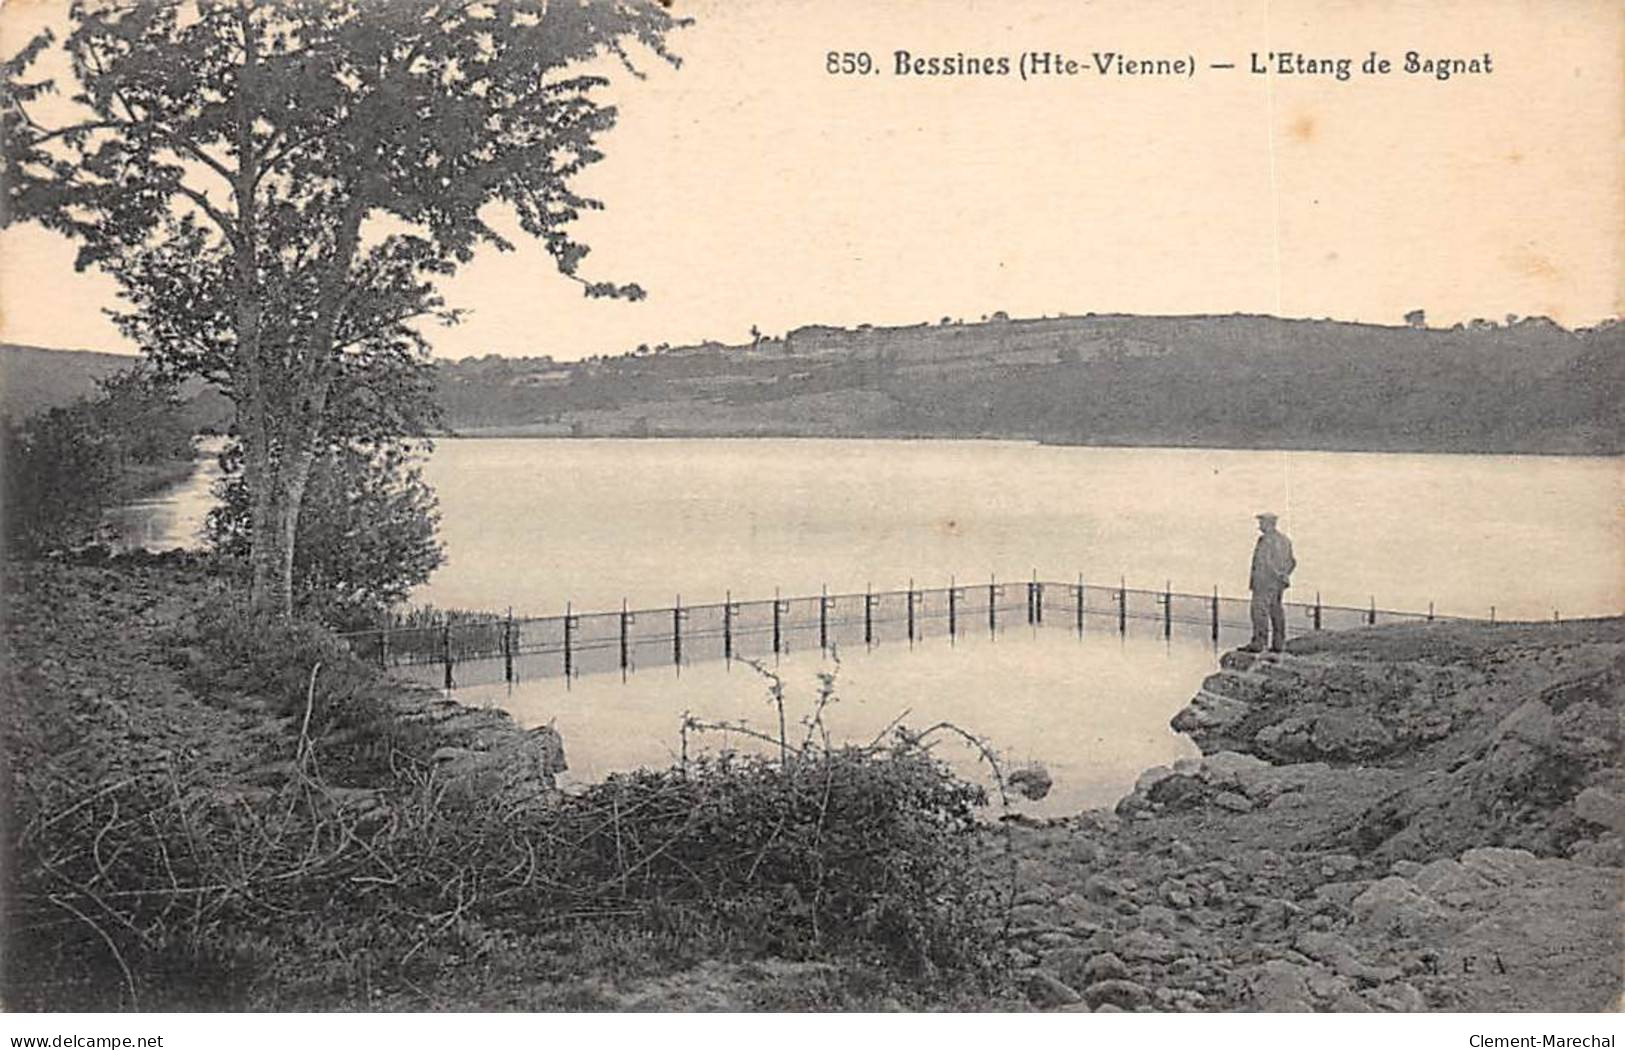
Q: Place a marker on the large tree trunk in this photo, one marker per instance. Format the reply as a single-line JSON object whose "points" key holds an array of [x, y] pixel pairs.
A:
{"points": [[257, 475], [256, 425], [301, 426], [278, 549], [300, 447]]}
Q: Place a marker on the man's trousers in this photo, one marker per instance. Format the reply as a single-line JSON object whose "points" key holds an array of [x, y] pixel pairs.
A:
{"points": [[1269, 616]]}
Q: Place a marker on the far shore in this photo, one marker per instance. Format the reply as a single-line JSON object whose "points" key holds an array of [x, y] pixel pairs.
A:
{"points": [[553, 432]]}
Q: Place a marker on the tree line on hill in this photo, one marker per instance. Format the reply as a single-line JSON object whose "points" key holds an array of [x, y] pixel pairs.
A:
{"points": [[1245, 381]]}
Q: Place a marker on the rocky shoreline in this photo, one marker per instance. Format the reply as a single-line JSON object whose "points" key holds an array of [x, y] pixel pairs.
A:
{"points": [[1424, 817]]}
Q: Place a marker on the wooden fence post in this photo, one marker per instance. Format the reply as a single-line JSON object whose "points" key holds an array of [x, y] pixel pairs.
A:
{"points": [[953, 609], [823, 618], [626, 619], [445, 650], [1317, 610], [911, 611], [569, 626], [677, 631], [728, 626], [1215, 612], [868, 615], [507, 647], [992, 605], [1122, 605], [1168, 609], [1371, 615], [1081, 600]]}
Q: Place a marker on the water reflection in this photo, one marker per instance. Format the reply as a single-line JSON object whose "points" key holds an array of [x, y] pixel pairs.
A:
{"points": [[174, 517], [1093, 708]]}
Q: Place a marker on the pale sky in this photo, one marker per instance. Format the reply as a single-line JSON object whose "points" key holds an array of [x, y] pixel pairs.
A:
{"points": [[750, 187]]}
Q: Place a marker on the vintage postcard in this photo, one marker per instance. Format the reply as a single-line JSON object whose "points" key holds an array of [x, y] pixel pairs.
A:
{"points": [[670, 505]]}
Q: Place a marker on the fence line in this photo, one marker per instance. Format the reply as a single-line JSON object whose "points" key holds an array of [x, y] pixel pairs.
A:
{"points": [[577, 643]]}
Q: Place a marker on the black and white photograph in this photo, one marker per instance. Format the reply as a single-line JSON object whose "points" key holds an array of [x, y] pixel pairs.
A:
{"points": [[626, 507]]}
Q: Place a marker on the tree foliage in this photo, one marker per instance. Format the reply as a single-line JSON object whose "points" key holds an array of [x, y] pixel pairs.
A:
{"points": [[277, 187], [366, 532]]}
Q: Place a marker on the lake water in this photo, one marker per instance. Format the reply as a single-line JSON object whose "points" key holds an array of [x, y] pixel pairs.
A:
{"points": [[174, 517], [534, 524], [1093, 711]]}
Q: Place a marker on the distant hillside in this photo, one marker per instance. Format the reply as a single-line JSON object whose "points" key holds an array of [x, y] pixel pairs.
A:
{"points": [[1227, 381], [1237, 381], [34, 378]]}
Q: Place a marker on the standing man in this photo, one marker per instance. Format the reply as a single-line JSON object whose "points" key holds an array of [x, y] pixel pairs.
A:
{"points": [[1272, 571]]}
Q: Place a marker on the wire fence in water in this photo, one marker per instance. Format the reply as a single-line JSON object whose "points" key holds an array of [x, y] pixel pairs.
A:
{"points": [[470, 651]]}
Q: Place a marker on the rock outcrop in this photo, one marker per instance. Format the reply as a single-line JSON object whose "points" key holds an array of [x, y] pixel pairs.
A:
{"points": [[482, 753], [1291, 709], [1411, 818], [1500, 730]]}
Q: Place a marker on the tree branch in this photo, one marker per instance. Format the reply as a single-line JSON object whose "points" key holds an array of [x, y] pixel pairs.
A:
{"points": [[272, 160], [379, 327], [56, 133], [220, 219]]}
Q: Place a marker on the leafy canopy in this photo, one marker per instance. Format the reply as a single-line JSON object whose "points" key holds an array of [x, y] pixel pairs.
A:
{"points": [[253, 127]]}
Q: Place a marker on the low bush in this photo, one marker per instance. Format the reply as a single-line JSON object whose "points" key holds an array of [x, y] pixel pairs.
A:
{"points": [[859, 849]]}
